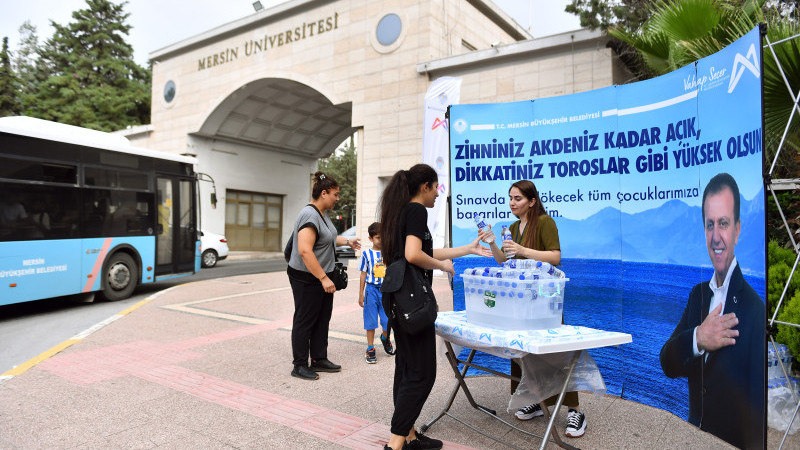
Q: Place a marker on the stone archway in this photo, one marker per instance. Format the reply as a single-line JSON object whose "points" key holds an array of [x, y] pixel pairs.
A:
{"points": [[268, 119], [280, 115]]}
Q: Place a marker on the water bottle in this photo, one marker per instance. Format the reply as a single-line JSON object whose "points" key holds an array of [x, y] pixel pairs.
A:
{"points": [[524, 264], [549, 269], [480, 222], [506, 233], [522, 295]]}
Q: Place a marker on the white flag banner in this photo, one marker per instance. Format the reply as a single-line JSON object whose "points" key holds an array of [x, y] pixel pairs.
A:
{"points": [[435, 144]]}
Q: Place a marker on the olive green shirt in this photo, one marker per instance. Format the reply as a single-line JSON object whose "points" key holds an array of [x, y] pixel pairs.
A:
{"points": [[546, 237]]}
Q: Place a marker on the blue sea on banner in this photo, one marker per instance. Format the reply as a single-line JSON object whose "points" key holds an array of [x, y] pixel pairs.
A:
{"points": [[653, 298]]}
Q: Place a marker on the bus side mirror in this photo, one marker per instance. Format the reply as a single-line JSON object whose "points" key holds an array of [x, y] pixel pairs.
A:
{"points": [[213, 199]]}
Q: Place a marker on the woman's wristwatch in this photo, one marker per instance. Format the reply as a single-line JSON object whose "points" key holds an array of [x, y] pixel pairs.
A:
{"points": [[348, 242]]}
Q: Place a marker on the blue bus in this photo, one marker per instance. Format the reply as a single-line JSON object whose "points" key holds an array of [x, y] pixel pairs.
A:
{"points": [[84, 211]]}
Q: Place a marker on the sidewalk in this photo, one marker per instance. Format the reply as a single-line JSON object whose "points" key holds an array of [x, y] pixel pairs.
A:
{"points": [[206, 365]]}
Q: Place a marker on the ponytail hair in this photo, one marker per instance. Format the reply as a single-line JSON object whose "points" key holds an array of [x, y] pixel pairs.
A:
{"points": [[403, 186], [322, 182], [529, 191]]}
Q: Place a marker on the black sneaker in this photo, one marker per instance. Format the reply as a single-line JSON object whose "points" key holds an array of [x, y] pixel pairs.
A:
{"points": [[324, 365], [576, 424], [387, 345], [529, 412], [304, 373], [423, 442], [371, 357]]}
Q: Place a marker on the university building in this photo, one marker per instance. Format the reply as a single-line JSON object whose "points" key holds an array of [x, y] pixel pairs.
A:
{"points": [[259, 100]]}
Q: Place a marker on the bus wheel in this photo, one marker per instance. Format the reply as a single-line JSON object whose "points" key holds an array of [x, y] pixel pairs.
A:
{"points": [[119, 277]]}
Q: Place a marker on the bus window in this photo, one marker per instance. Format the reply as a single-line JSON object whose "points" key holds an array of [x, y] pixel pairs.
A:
{"points": [[94, 176], [110, 213], [32, 212], [20, 169]]}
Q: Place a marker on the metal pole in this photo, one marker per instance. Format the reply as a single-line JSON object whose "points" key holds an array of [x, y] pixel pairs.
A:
{"points": [[559, 401]]}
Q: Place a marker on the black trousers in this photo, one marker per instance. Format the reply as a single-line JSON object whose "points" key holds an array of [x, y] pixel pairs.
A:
{"points": [[414, 375], [312, 315]]}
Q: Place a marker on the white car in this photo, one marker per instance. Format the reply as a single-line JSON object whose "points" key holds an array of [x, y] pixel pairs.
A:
{"points": [[214, 247]]}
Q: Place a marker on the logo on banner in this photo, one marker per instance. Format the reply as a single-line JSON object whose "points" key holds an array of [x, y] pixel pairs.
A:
{"points": [[439, 163], [460, 125], [439, 123], [740, 63], [442, 99]]}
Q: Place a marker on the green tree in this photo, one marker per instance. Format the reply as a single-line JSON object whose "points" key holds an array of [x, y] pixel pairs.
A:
{"points": [[631, 14], [9, 103], [341, 165], [92, 79], [602, 14], [26, 61]]}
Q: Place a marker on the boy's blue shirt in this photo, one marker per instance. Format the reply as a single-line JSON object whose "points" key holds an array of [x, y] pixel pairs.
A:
{"points": [[369, 260]]}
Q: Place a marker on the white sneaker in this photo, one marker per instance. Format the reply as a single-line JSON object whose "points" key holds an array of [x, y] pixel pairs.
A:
{"points": [[529, 412], [576, 424]]}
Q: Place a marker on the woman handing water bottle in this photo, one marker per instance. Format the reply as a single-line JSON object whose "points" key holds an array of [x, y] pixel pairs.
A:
{"points": [[533, 236]]}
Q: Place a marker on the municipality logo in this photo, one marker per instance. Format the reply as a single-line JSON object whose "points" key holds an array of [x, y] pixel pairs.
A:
{"points": [[460, 125], [740, 63]]}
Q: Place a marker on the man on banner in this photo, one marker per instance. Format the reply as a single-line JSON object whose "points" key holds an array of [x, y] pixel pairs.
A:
{"points": [[719, 342]]}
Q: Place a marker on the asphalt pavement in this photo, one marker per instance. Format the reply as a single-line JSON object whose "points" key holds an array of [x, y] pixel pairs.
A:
{"points": [[206, 365]]}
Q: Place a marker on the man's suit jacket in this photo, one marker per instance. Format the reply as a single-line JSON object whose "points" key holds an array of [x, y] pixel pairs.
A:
{"points": [[726, 392]]}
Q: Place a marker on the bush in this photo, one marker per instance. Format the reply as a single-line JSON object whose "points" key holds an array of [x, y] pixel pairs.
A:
{"points": [[780, 262], [788, 335]]}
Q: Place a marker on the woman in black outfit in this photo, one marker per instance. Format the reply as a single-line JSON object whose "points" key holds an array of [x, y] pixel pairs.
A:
{"points": [[404, 232]]}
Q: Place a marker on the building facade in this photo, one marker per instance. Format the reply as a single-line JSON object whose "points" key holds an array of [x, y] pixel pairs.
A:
{"points": [[258, 101]]}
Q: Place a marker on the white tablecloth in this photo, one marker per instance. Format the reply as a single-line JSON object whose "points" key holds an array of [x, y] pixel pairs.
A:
{"points": [[544, 355]]}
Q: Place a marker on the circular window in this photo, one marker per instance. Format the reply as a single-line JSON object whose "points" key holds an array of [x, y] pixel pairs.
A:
{"points": [[169, 91], [389, 29]]}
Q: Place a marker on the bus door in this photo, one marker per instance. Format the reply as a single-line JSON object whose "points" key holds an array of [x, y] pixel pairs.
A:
{"points": [[176, 237]]}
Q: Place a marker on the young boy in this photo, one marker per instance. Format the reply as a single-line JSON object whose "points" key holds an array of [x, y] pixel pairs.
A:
{"points": [[369, 295]]}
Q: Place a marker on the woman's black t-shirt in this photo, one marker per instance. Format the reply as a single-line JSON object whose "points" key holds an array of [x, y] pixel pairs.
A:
{"points": [[414, 222]]}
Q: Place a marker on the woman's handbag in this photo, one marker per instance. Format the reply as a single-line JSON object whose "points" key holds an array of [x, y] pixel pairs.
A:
{"points": [[414, 304], [338, 276]]}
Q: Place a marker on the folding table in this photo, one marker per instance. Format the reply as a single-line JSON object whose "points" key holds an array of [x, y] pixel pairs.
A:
{"points": [[549, 356]]}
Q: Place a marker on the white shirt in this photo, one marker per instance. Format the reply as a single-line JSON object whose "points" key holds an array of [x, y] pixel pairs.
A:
{"points": [[720, 294]]}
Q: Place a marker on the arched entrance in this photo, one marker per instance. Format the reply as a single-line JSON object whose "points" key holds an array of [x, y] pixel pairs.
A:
{"points": [[280, 128]]}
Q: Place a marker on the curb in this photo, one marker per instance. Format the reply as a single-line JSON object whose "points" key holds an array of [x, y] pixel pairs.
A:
{"points": [[49, 353], [242, 256]]}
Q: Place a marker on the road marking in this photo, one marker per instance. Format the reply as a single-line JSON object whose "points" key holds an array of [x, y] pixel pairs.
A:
{"points": [[22, 368], [187, 307]]}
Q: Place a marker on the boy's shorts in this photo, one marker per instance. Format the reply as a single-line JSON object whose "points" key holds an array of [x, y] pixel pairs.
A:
{"points": [[373, 308]]}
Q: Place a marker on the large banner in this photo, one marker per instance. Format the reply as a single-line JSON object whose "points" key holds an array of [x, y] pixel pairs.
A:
{"points": [[623, 171], [443, 92]]}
